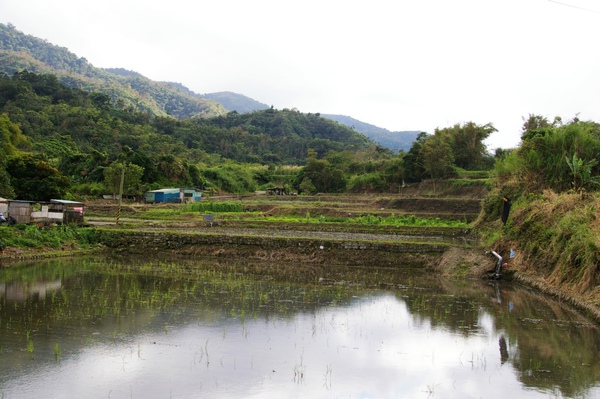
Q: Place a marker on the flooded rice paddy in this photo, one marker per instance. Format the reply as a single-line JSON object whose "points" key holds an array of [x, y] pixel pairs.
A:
{"points": [[208, 328]]}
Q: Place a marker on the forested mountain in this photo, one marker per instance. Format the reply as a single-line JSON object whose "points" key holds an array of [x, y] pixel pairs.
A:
{"points": [[128, 90], [393, 140], [54, 138], [77, 127], [47, 111], [83, 135]]}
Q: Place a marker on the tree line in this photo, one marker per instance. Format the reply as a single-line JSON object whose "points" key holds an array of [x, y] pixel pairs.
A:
{"points": [[64, 142]]}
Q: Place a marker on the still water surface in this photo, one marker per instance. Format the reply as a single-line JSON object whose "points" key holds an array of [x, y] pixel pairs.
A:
{"points": [[129, 328]]}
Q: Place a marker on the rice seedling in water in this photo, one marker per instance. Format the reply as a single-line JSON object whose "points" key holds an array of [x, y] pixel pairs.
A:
{"points": [[57, 353], [29, 342]]}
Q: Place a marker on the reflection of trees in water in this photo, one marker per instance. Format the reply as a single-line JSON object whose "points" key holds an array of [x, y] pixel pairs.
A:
{"points": [[551, 346], [547, 344], [102, 291], [556, 346], [456, 313], [503, 349], [122, 300], [20, 291]]}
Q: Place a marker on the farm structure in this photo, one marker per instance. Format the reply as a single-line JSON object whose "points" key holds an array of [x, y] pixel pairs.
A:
{"points": [[180, 195], [57, 211], [3, 205], [276, 191]]}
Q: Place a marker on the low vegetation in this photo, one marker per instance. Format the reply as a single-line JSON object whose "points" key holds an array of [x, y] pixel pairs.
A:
{"points": [[367, 220], [213, 207], [15, 239]]}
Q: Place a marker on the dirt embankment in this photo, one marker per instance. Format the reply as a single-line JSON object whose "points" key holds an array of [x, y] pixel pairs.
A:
{"points": [[465, 262]]}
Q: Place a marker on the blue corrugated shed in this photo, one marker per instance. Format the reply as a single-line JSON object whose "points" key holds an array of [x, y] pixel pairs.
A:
{"points": [[173, 195]]}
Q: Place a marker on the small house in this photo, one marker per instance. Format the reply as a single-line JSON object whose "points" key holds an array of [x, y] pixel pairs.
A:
{"points": [[57, 211], [177, 195], [72, 210]]}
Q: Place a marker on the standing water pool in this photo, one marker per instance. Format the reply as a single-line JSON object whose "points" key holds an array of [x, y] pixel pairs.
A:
{"points": [[214, 328]]}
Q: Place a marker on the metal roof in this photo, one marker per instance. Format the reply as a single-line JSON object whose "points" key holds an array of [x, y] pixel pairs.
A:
{"points": [[52, 201], [169, 190], [65, 202]]}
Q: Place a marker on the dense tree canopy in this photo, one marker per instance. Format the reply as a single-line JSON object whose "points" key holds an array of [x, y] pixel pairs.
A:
{"points": [[70, 127], [76, 139], [10, 138], [438, 157], [81, 134], [467, 144], [33, 178]]}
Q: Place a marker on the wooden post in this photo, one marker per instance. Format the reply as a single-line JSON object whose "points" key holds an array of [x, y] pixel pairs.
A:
{"points": [[121, 192]]}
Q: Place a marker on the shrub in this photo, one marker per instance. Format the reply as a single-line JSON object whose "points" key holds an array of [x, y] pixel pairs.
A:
{"points": [[368, 182], [231, 178], [216, 207], [94, 189], [540, 162]]}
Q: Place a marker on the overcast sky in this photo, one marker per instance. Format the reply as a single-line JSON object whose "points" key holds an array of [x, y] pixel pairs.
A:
{"points": [[400, 65]]}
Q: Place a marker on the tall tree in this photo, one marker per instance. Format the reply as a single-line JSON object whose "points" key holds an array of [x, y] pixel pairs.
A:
{"points": [[6, 189], [413, 160], [438, 158], [33, 178], [321, 174], [10, 138], [536, 125], [467, 143], [132, 183], [173, 168]]}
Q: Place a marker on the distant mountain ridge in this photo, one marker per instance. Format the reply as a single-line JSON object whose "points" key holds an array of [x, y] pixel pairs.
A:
{"points": [[395, 141], [131, 90], [236, 102]]}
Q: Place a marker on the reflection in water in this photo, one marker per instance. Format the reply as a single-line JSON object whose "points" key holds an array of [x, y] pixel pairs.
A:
{"points": [[19, 291], [124, 330], [503, 349]]}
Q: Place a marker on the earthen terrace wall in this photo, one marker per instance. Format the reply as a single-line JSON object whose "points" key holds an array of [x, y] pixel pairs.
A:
{"points": [[333, 251]]}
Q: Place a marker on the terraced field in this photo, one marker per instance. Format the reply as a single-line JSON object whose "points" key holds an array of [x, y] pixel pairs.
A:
{"points": [[410, 218]]}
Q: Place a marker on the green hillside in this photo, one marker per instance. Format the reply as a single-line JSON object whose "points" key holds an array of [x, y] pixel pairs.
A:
{"points": [[79, 122], [395, 141], [82, 134], [130, 91]]}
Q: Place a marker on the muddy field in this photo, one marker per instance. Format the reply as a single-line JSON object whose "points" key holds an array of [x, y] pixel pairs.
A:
{"points": [[463, 205]]}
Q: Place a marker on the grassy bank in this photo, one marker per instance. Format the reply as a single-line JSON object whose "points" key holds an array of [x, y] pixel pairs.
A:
{"points": [[23, 240], [555, 239]]}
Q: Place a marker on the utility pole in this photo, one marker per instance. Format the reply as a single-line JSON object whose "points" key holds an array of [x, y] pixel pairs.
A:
{"points": [[121, 192], [125, 151]]}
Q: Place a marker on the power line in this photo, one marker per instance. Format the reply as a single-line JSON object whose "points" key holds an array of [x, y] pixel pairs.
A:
{"points": [[571, 5]]}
